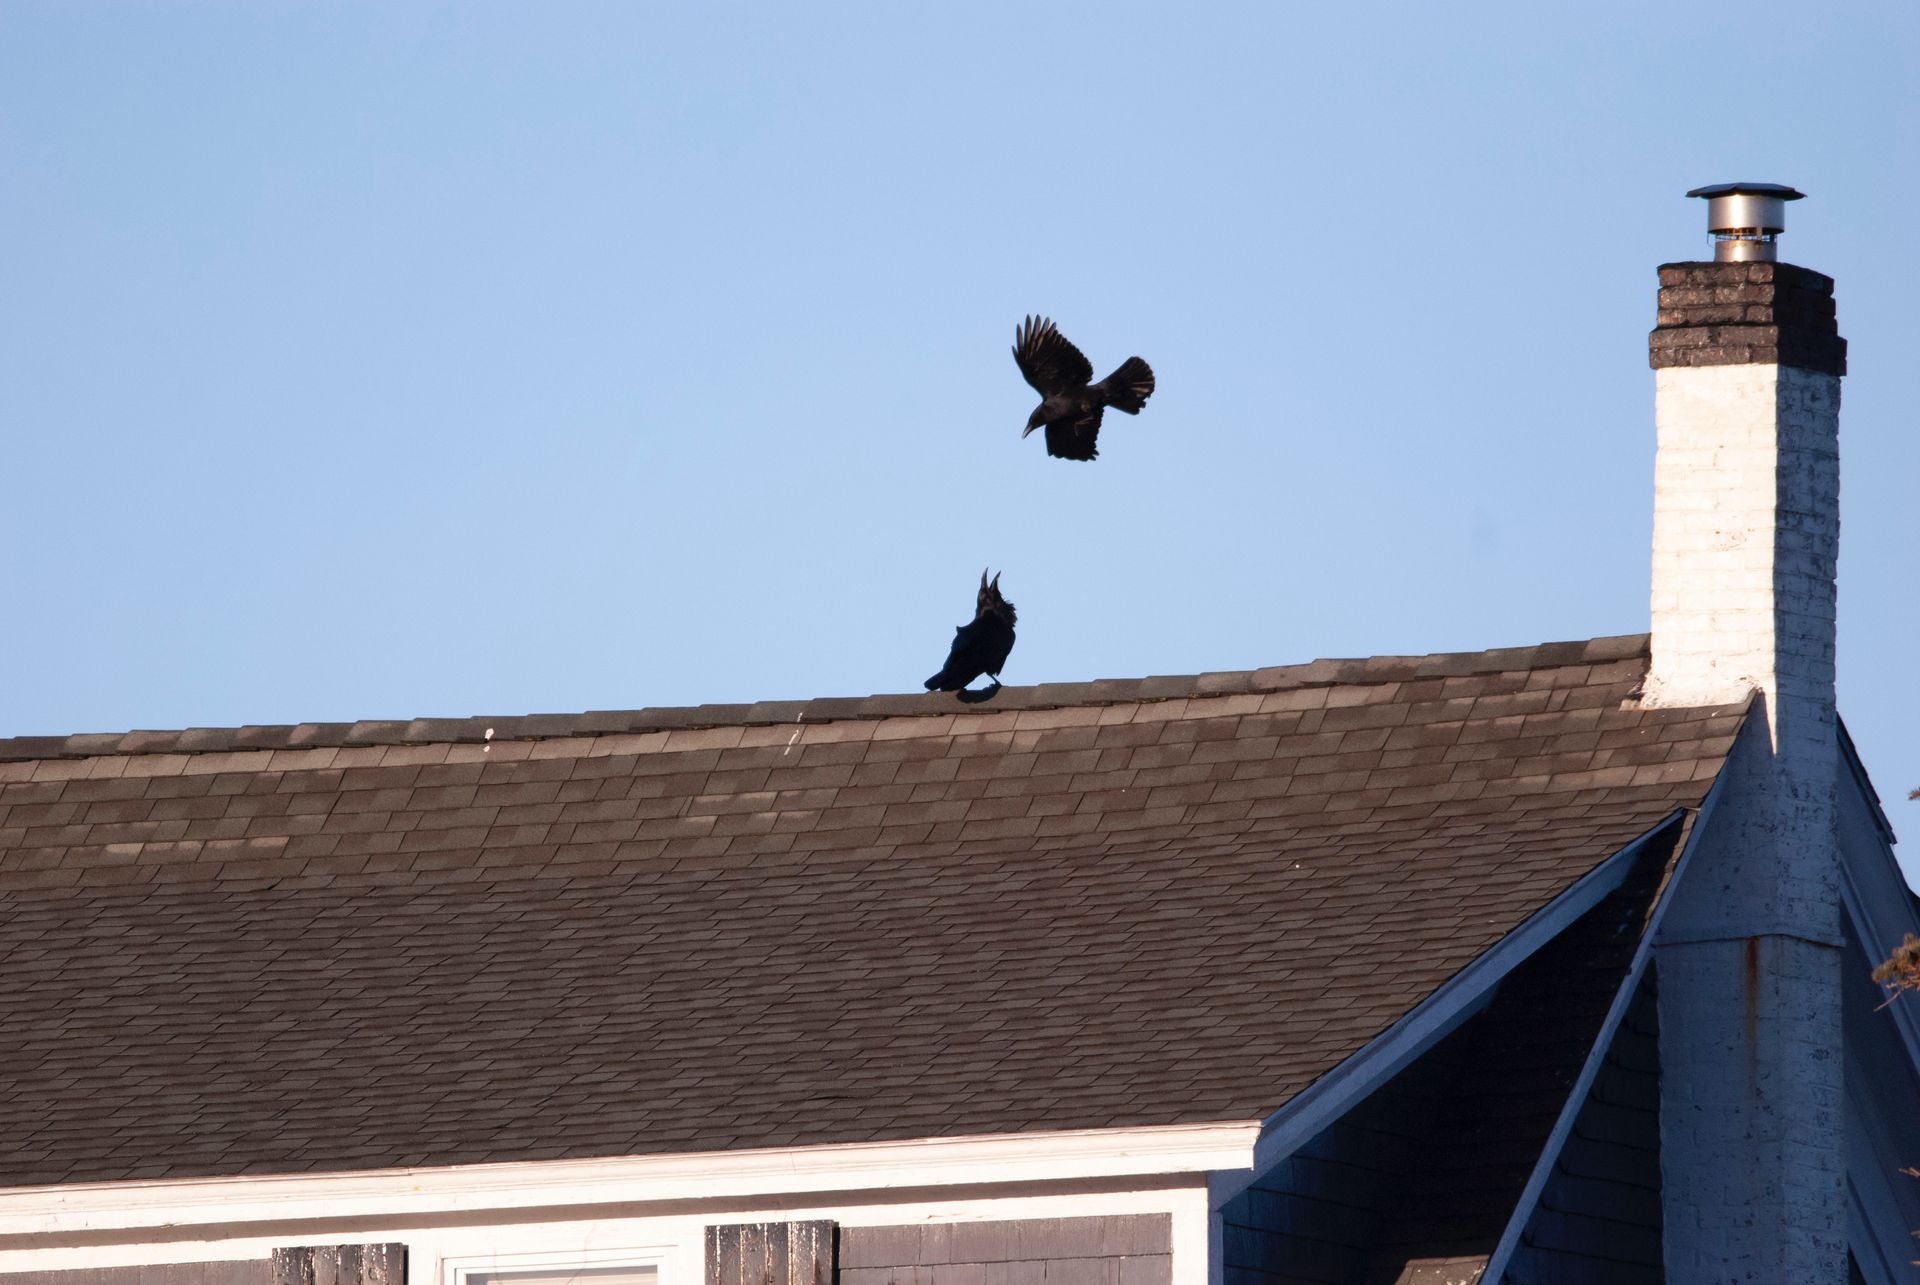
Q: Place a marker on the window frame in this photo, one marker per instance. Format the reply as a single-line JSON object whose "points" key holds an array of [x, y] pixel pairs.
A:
{"points": [[472, 1269]]}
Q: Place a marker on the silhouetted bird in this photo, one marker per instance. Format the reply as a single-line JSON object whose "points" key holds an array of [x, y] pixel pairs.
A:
{"points": [[1070, 405], [981, 647]]}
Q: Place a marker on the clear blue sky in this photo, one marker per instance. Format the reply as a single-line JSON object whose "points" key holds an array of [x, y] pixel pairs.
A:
{"points": [[396, 359]]}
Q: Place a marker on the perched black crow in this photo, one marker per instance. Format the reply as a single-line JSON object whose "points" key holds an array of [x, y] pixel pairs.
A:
{"points": [[981, 647], [1071, 406]]}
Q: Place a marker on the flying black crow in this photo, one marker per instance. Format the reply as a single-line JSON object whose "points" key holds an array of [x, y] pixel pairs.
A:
{"points": [[1070, 404], [981, 647]]}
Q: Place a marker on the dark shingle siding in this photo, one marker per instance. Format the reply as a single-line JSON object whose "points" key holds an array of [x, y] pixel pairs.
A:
{"points": [[257, 1271], [385, 951], [1599, 1215], [1129, 1249]]}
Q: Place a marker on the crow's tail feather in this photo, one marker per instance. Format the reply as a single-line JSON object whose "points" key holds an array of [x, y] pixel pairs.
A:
{"points": [[1129, 387]]}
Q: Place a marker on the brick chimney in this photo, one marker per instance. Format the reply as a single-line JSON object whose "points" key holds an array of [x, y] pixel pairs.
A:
{"points": [[1746, 531]]}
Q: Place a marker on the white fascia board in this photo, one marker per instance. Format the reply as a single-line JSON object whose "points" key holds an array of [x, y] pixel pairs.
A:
{"points": [[717, 1175], [1461, 996]]}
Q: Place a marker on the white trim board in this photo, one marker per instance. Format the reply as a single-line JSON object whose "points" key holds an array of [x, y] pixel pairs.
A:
{"points": [[724, 1175], [674, 1240]]}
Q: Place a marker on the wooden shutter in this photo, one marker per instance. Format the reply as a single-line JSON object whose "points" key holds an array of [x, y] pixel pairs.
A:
{"points": [[340, 1265], [772, 1254]]}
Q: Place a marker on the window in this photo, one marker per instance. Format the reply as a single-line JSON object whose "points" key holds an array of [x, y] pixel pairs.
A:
{"points": [[562, 1276]]}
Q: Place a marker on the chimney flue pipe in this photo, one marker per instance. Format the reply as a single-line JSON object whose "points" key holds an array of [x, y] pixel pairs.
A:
{"points": [[1744, 219]]}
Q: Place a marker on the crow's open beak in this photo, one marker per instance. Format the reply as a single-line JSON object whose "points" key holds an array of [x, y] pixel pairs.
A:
{"points": [[1028, 429]]}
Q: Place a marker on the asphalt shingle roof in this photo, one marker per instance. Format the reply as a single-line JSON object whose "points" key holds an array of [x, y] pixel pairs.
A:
{"points": [[1160, 901]]}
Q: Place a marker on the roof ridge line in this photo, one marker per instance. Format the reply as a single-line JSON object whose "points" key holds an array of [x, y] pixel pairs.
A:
{"points": [[1328, 672]]}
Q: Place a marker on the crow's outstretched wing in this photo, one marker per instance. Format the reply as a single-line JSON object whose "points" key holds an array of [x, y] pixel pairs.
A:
{"points": [[1049, 362], [1074, 441]]}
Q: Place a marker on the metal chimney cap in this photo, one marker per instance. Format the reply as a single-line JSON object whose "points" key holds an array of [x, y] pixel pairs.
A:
{"points": [[1744, 219], [1778, 191]]}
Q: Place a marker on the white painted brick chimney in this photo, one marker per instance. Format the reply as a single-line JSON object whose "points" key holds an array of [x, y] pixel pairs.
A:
{"points": [[1746, 534], [1746, 530]]}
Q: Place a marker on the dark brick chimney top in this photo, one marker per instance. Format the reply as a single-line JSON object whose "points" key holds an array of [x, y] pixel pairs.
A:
{"points": [[1746, 314]]}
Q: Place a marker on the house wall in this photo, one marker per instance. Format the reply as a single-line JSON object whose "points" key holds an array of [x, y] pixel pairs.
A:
{"points": [[1599, 1216], [1317, 1216], [258, 1271], [1309, 1220], [1130, 1250], [345, 1264]]}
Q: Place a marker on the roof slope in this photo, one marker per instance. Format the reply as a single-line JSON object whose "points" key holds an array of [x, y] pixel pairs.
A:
{"points": [[1157, 902]]}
